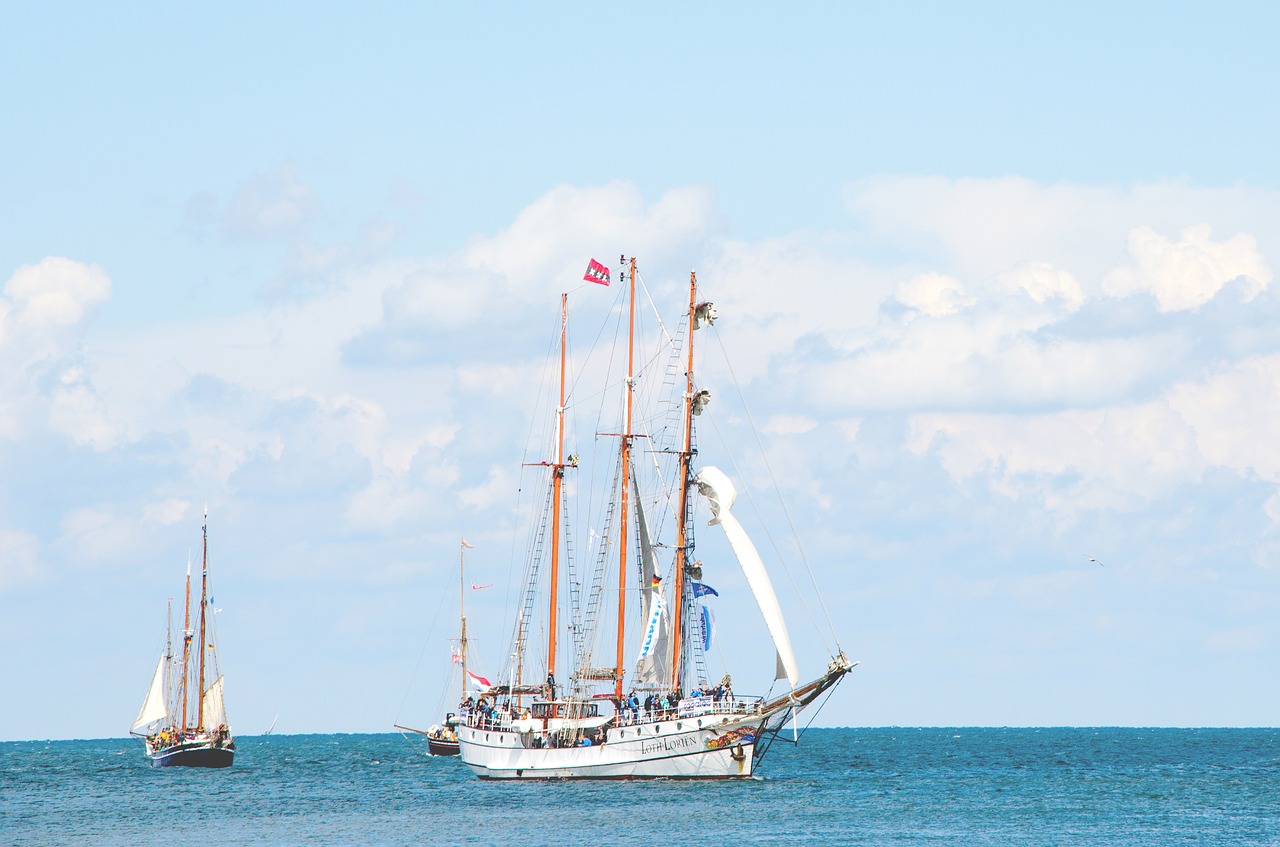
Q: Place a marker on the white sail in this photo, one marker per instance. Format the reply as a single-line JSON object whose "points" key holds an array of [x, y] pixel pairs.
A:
{"points": [[153, 707], [215, 713], [717, 488]]}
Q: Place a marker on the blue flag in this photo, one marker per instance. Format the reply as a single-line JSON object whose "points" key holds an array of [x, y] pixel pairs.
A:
{"points": [[700, 590]]}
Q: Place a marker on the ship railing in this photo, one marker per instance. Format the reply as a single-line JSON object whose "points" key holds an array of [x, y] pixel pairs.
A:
{"points": [[691, 707]]}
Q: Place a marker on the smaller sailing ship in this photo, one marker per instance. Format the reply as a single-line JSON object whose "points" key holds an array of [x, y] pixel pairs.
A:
{"points": [[177, 728], [442, 738]]}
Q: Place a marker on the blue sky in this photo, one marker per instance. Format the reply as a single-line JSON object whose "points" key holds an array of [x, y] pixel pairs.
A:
{"points": [[997, 282]]}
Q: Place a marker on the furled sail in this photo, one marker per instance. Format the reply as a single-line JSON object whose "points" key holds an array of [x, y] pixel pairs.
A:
{"points": [[719, 491], [655, 649], [215, 712], [153, 708]]}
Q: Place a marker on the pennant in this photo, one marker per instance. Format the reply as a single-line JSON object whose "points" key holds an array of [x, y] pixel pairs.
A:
{"points": [[479, 682], [465, 544], [700, 590], [475, 587], [596, 273]]}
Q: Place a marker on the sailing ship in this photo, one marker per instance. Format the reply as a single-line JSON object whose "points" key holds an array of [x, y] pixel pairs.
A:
{"points": [[182, 722], [442, 738], [595, 725]]}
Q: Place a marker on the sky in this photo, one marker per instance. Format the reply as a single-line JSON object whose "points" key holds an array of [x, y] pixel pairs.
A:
{"points": [[998, 316]]}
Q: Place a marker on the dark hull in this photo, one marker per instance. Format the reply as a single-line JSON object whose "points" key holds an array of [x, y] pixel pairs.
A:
{"points": [[193, 756], [440, 747]]}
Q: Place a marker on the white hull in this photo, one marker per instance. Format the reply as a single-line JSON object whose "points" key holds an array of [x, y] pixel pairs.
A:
{"points": [[714, 747]]}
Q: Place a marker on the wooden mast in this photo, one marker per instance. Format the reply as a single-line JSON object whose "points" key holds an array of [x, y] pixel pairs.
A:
{"points": [[557, 486], [186, 643], [686, 458], [204, 605], [462, 614], [626, 482], [168, 659]]}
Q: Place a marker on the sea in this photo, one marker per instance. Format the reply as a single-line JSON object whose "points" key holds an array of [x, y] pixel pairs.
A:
{"points": [[884, 786]]}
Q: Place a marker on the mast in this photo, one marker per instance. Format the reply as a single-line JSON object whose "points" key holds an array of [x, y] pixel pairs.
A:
{"points": [[186, 642], [204, 605], [626, 481], [557, 487], [462, 614], [168, 657], [686, 458]]}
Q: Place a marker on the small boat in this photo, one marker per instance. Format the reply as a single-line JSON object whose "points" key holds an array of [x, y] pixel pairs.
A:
{"points": [[642, 594], [178, 728]]}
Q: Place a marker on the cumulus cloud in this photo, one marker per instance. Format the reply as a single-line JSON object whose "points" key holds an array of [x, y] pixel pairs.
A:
{"points": [[43, 375], [53, 293], [1187, 272], [1018, 352], [933, 295]]}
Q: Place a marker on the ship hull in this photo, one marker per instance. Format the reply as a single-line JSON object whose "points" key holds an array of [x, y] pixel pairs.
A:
{"points": [[193, 756], [441, 747], [664, 750]]}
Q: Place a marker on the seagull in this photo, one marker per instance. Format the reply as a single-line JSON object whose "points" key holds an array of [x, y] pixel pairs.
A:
{"points": [[1095, 561]]}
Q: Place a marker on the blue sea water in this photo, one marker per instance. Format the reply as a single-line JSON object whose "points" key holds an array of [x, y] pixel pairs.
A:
{"points": [[898, 786]]}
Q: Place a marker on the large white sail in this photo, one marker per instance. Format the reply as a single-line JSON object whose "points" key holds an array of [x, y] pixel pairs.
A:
{"points": [[215, 713], [717, 488], [153, 707]]}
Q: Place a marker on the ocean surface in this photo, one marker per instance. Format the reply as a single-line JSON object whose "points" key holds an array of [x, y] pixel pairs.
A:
{"points": [[899, 786]]}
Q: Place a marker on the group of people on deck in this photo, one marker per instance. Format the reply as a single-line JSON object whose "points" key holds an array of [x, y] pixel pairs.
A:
{"points": [[170, 737], [663, 705], [484, 713], [488, 713]]}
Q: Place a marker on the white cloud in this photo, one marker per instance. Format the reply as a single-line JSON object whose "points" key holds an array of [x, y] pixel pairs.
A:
{"points": [[76, 411], [933, 294], [1043, 283], [54, 292], [1233, 412], [1188, 272]]}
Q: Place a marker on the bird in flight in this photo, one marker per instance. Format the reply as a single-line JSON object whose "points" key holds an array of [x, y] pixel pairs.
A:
{"points": [[1095, 561]]}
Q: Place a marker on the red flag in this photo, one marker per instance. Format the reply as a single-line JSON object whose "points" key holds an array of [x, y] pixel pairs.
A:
{"points": [[596, 273]]}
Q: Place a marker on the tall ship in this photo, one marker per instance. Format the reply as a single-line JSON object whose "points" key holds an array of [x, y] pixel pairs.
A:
{"points": [[609, 673], [182, 721]]}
